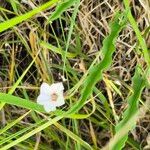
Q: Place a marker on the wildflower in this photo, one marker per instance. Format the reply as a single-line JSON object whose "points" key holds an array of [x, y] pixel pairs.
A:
{"points": [[51, 96], [24, 1]]}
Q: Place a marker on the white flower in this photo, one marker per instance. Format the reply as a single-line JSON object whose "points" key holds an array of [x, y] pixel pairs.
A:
{"points": [[51, 96], [24, 1]]}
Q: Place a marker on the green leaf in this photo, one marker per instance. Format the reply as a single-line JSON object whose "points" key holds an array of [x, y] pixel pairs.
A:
{"points": [[95, 73], [14, 4], [57, 50], [61, 8], [19, 80], [73, 136], [16, 20], [13, 100], [29, 134], [147, 78], [9, 125], [133, 101], [137, 32]]}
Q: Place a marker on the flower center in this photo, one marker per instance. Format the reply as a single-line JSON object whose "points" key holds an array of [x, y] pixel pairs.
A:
{"points": [[54, 97]]}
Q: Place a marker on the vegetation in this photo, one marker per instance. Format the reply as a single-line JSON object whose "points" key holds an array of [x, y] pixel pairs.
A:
{"points": [[99, 50]]}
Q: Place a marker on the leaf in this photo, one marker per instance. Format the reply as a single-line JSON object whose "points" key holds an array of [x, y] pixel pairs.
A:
{"points": [[133, 101], [9, 125], [14, 4], [61, 8], [57, 50], [16, 20], [73, 136], [95, 73], [137, 32], [20, 79], [13, 100], [29, 134], [123, 131], [147, 78]]}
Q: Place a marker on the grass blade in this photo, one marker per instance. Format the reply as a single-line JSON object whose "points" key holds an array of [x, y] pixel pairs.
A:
{"points": [[73, 136], [138, 33], [14, 21], [29, 134], [13, 100], [61, 8], [13, 123], [57, 50], [20, 132], [16, 84]]}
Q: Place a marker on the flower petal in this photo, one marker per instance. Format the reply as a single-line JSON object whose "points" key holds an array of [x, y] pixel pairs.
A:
{"points": [[56, 87], [45, 89], [48, 107], [43, 99], [60, 100]]}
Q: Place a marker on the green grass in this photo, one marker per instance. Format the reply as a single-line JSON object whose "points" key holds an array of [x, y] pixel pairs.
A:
{"points": [[99, 50]]}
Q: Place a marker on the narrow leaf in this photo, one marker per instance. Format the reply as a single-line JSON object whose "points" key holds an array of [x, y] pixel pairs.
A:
{"points": [[95, 73], [61, 8], [13, 100], [16, 20], [133, 100]]}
